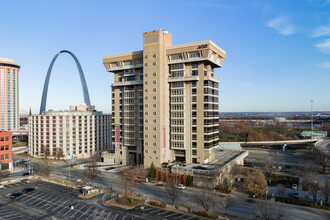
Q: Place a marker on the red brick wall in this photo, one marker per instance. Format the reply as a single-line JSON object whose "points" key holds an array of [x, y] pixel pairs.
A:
{"points": [[5, 142]]}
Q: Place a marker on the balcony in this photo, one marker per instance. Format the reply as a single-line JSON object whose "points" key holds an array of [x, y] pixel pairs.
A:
{"points": [[183, 78], [128, 83]]}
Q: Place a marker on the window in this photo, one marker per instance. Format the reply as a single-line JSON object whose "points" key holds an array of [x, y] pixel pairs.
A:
{"points": [[146, 75], [2, 157], [7, 156], [177, 73], [128, 71], [154, 82], [146, 64], [7, 147], [155, 113], [146, 90], [154, 90], [2, 139], [154, 74], [194, 65], [154, 63], [154, 97], [146, 83], [194, 55], [7, 138], [154, 56], [154, 105], [155, 128], [146, 57], [193, 84], [194, 73], [176, 57], [177, 66]]}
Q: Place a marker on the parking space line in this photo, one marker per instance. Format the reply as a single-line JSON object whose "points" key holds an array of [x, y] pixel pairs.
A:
{"points": [[54, 204], [60, 206], [42, 200], [156, 210], [62, 209], [174, 213], [93, 212], [49, 202], [147, 208], [162, 213], [107, 216], [37, 199], [100, 214], [78, 210], [85, 212], [189, 218], [27, 198]]}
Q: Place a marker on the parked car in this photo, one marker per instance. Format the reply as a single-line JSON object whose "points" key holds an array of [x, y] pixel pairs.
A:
{"points": [[294, 186], [179, 186], [1, 186], [25, 173], [15, 195], [287, 185], [26, 190], [26, 181], [296, 195]]}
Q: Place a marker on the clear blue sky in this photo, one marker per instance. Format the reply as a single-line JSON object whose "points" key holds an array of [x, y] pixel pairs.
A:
{"points": [[278, 52]]}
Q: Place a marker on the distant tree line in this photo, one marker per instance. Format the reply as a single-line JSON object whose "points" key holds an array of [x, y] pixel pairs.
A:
{"points": [[244, 131]]}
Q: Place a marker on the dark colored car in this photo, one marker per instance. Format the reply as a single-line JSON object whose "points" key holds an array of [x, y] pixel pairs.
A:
{"points": [[296, 195], [287, 185], [25, 174], [26, 190], [15, 195]]}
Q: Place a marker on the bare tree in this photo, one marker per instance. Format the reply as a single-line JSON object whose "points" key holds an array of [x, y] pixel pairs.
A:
{"points": [[326, 191], [321, 158], [255, 182], [59, 153], [130, 176], [311, 182], [226, 203], [91, 171], [46, 167], [271, 163], [3, 174], [281, 191], [205, 200], [267, 210], [173, 191]]}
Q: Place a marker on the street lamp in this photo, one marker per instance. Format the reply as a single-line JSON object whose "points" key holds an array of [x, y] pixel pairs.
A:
{"points": [[266, 194], [312, 119]]}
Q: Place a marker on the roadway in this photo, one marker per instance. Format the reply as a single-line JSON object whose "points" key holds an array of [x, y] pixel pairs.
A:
{"points": [[324, 145], [242, 209]]}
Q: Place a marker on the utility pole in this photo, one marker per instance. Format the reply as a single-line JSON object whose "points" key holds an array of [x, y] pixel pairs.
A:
{"points": [[312, 119]]}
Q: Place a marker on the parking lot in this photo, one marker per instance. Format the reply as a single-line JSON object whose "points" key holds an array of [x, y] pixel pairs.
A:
{"points": [[10, 214], [164, 214], [51, 201]]}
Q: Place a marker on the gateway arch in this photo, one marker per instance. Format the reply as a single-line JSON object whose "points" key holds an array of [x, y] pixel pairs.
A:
{"points": [[82, 80]]}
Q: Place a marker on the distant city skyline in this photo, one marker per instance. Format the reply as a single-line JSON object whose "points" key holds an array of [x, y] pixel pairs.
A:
{"points": [[278, 52]]}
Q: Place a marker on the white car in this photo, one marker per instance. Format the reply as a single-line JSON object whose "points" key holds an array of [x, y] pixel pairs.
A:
{"points": [[294, 186], [1, 186], [180, 186]]}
